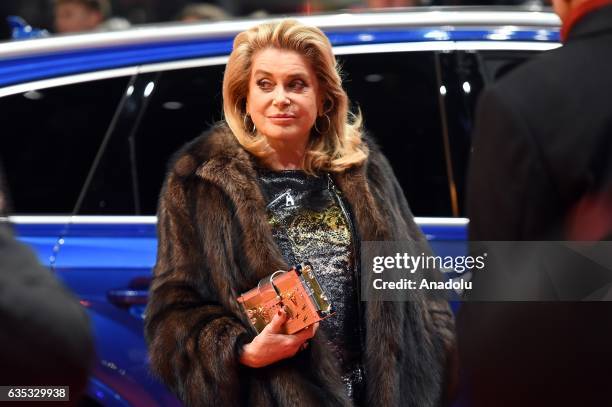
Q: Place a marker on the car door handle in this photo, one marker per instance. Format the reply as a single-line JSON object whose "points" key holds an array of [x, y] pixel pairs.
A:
{"points": [[128, 297]]}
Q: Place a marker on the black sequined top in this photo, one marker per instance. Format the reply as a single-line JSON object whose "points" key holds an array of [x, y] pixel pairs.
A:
{"points": [[308, 224]]}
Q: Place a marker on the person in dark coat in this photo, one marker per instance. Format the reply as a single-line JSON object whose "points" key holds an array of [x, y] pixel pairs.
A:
{"points": [[543, 135], [45, 335], [541, 170], [265, 189]]}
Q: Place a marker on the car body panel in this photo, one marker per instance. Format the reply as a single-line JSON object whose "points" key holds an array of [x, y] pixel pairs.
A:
{"points": [[21, 69], [40, 233], [124, 249]]}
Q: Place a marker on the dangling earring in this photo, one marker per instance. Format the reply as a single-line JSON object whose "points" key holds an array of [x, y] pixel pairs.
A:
{"points": [[328, 124], [246, 126]]}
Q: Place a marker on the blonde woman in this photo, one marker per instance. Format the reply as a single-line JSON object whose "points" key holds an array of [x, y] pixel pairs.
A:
{"points": [[287, 177]]}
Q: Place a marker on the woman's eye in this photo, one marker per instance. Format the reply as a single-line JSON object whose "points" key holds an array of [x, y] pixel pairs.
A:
{"points": [[264, 84], [297, 85]]}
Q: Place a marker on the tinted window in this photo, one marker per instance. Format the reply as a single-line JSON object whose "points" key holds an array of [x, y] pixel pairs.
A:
{"points": [[164, 111], [462, 80], [398, 96], [464, 75], [184, 103], [49, 140], [110, 189]]}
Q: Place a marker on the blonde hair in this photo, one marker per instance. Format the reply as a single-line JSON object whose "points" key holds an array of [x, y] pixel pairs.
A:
{"points": [[335, 140]]}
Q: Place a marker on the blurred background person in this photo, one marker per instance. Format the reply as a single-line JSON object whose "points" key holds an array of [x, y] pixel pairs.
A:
{"points": [[202, 12], [45, 337], [79, 15], [40, 13], [542, 146], [541, 170], [85, 15], [393, 3]]}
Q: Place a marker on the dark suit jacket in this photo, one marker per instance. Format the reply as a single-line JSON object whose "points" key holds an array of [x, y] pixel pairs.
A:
{"points": [[542, 141], [45, 338], [543, 138]]}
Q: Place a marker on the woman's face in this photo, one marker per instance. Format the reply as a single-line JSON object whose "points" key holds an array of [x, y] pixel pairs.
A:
{"points": [[283, 96]]}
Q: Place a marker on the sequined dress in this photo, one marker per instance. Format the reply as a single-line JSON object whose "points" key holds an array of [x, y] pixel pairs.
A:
{"points": [[309, 224]]}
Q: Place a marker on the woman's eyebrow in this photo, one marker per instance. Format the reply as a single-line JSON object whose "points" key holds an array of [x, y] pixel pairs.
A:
{"points": [[262, 72], [297, 74]]}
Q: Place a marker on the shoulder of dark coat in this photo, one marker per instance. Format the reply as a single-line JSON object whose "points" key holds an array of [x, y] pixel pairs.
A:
{"points": [[371, 142], [545, 75], [218, 142], [376, 164]]}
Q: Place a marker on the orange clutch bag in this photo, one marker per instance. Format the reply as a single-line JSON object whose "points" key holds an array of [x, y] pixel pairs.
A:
{"points": [[297, 290]]}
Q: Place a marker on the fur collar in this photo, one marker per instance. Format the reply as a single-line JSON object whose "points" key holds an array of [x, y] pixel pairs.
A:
{"points": [[217, 157]]}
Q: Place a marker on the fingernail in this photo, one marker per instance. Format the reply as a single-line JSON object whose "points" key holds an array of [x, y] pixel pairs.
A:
{"points": [[280, 312]]}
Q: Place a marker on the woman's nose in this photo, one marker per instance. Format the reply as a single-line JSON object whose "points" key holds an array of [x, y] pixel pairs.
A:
{"points": [[280, 97]]}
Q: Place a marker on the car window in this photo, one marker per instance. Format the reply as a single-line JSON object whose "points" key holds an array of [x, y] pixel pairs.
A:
{"points": [[462, 80], [164, 111], [398, 96], [398, 99], [49, 140], [464, 75], [185, 102]]}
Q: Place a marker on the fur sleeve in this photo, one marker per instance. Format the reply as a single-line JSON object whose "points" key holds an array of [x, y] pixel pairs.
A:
{"points": [[194, 340], [439, 320], [442, 317]]}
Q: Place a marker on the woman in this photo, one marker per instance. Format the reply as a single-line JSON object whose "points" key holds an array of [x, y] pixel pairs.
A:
{"points": [[286, 178]]}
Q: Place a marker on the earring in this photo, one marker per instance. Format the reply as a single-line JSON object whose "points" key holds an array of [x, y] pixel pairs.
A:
{"points": [[328, 124], [246, 127]]}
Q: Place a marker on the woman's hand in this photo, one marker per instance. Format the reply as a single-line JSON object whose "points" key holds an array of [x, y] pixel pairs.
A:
{"points": [[271, 345]]}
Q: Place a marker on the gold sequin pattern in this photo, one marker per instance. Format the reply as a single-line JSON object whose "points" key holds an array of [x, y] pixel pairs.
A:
{"points": [[308, 225]]}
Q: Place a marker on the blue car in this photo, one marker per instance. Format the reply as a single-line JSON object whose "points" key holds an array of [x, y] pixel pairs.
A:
{"points": [[89, 122]]}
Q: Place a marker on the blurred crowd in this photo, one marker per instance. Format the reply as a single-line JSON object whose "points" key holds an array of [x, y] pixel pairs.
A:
{"points": [[64, 16]]}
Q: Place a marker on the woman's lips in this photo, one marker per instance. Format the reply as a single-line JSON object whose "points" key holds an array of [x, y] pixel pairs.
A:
{"points": [[281, 119]]}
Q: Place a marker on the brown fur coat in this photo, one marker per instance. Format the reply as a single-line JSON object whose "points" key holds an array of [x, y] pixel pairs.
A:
{"points": [[215, 243]]}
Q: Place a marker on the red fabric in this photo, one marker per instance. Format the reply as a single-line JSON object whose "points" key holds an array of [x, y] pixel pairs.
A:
{"points": [[580, 11]]}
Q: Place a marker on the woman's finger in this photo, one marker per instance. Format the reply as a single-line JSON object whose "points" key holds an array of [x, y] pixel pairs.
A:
{"points": [[276, 325]]}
